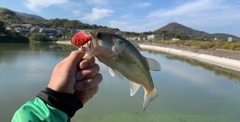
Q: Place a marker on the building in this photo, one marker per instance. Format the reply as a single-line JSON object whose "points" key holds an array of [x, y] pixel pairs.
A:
{"points": [[175, 39], [230, 39], [151, 37]]}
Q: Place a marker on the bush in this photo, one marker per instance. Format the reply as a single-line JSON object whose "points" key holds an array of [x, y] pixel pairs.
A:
{"points": [[40, 37], [13, 37]]}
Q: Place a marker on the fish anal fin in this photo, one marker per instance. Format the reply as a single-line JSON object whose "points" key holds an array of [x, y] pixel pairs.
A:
{"points": [[153, 64], [149, 97], [133, 88], [111, 72], [114, 72]]}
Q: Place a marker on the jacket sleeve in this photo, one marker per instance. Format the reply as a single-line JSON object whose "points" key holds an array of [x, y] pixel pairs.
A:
{"points": [[48, 106]]}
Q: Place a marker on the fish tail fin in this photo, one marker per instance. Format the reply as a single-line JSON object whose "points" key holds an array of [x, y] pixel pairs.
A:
{"points": [[150, 97]]}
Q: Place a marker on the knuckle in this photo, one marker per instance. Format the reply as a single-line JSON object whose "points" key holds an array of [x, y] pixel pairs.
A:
{"points": [[90, 74], [96, 89], [98, 67], [87, 83], [99, 77]]}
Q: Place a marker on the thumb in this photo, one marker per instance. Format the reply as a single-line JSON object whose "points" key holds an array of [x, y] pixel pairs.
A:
{"points": [[75, 57]]}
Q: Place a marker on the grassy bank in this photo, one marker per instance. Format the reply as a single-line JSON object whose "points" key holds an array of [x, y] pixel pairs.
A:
{"points": [[234, 46]]}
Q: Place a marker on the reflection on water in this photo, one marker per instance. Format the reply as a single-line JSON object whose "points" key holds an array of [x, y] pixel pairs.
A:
{"points": [[189, 91]]}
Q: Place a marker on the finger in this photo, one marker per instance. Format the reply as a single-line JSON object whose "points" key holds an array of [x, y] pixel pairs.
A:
{"points": [[75, 57], [85, 99], [88, 83], [87, 63], [87, 93], [87, 73]]}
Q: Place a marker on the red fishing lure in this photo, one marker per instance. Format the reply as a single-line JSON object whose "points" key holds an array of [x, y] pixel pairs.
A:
{"points": [[80, 39]]}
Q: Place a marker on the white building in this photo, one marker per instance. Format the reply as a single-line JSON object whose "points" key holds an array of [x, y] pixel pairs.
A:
{"points": [[230, 39], [151, 37], [175, 39]]}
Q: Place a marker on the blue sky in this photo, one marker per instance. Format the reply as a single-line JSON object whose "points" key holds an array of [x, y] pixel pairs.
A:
{"points": [[212, 16]]}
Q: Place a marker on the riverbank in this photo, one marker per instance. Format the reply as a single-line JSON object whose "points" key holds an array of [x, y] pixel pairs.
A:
{"points": [[222, 58], [219, 60]]}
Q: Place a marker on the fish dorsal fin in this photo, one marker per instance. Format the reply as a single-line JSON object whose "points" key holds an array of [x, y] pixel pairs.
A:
{"points": [[133, 88], [113, 72], [135, 44], [153, 64]]}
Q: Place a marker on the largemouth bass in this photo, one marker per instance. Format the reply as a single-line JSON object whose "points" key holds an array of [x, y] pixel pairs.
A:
{"points": [[124, 59]]}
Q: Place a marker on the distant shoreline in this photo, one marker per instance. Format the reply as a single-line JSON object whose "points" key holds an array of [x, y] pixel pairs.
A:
{"points": [[218, 59]]}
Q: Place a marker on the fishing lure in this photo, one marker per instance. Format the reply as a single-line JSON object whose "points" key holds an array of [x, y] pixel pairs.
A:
{"points": [[80, 39]]}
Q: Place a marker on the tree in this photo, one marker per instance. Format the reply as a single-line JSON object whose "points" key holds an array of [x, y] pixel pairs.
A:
{"points": [[2, 28], [40, 37]]}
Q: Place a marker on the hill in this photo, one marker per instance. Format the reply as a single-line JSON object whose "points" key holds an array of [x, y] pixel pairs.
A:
{"points": [[30, 16], [192, 33], [27, 15]]}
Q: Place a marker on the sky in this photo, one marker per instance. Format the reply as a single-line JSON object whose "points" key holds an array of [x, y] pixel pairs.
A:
{"points": [[211, 16]]}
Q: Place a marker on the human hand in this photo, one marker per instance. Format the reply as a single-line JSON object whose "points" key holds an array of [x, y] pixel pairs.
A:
{"points": [[74, 75], [88, 79]]}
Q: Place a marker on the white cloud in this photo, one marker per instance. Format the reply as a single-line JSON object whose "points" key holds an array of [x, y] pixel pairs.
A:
{"points": [[200, 12], [76, 12], [97, 2], [97, 13], [37, 5], [126, 16], [143, 5]]}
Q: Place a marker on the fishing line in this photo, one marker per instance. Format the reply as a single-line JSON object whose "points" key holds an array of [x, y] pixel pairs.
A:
{"points": [[146, 108]]}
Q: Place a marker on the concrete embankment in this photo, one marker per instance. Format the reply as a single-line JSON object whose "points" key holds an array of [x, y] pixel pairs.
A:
{"points": [[64, 42], [215, 60]]}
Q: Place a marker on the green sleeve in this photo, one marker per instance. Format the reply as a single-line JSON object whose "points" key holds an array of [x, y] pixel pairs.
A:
{"points": [[39, 111]]}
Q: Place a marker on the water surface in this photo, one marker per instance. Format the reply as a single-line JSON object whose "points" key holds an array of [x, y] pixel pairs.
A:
{"points": [[188, 90]]}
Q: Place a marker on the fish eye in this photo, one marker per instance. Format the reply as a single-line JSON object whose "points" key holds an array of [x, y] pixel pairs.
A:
{"points": [[99, 35]]}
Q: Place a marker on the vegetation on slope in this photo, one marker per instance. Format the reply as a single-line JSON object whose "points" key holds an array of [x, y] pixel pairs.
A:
{"points": [[235, 46], [11, 37]]}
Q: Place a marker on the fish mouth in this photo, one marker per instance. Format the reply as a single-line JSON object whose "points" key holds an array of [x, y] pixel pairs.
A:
{"points": [[88, 46], [93, 45]]}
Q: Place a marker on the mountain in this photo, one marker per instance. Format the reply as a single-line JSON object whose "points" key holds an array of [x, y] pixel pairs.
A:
{"points": [[192, 33], [30, 16], [27, 15]]}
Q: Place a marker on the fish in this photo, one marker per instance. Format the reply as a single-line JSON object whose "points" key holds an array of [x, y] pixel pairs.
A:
{"points": [[124, 59], [80, 39]]}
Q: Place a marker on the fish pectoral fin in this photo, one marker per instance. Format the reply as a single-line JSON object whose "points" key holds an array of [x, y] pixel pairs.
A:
{"points": [[133, 88], [150, 97], [153, 64], [135, 44], [112, 72]]}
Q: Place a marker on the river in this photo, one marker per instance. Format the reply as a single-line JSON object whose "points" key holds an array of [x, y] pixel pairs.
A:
{"points": [[189, 91]]}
